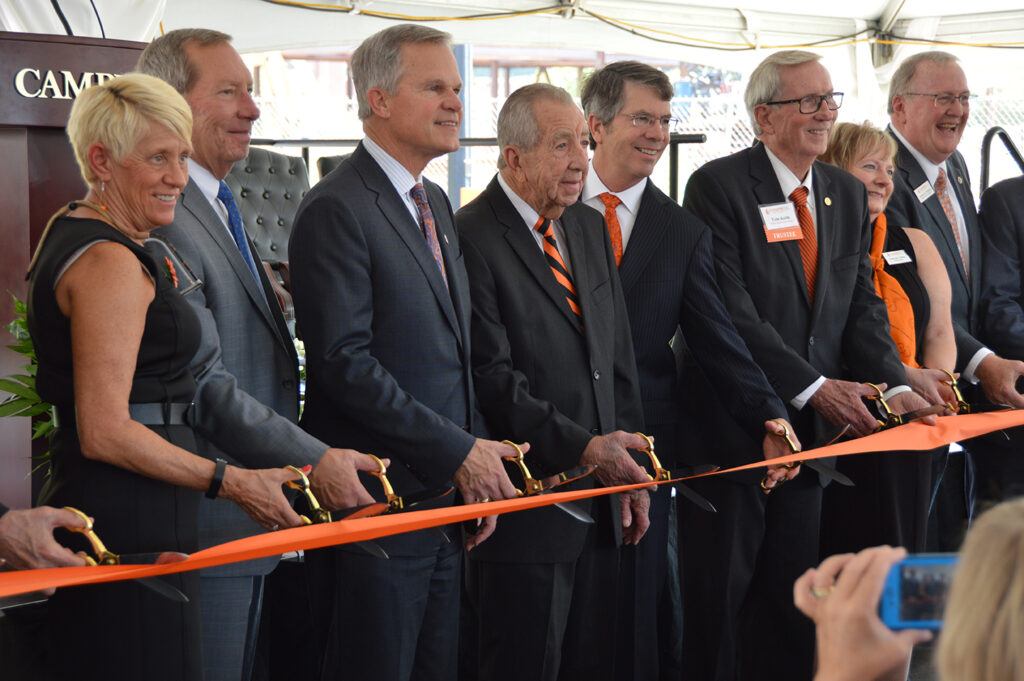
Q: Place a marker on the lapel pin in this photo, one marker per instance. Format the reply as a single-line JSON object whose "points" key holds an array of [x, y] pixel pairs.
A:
{"points": [[828, 201], [445, 238], [959, 179]]}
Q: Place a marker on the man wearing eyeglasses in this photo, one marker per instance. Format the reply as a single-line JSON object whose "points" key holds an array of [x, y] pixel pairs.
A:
{"points": [[790, 239], [666, 267], [929, 104]]}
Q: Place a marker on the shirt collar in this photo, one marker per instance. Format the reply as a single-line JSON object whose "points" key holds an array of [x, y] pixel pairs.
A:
{"points": [[931, 170], [630, 197], [529, 215], [788, 180], [399, 175], [204, 179]]}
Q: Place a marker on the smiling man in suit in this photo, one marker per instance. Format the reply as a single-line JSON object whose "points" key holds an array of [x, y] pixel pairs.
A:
{"points": [[553, 364], [382, 298], [929, 105], [790, 242], [668, 280], [246, 367]]}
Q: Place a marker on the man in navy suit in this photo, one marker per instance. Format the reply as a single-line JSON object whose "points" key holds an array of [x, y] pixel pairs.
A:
{"points": [[929, 104], [790, 240], [668, 280], [382, 300]]}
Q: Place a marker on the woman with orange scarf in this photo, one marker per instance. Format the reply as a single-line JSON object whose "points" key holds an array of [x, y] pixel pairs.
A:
{"points": [[891, 501]]}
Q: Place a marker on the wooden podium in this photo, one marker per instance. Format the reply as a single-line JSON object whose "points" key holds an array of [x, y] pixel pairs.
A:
{"points": [[40, 75]]}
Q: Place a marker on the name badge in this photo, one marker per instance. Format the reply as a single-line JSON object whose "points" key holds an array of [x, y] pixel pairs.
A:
{"points": [[924, 191], [780, 222], [896, 257]]}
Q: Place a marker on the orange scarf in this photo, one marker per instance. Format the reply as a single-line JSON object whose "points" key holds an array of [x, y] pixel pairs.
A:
{"points": [[901, 314]]}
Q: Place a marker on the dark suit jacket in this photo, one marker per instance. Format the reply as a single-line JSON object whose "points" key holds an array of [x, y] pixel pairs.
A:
{"points": [[845, 332], [387, 343], [668, 280], [904, 210], [1002, 296], [539, 379]]}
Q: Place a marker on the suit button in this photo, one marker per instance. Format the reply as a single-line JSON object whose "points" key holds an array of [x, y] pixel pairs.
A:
{"points": [[810, 341], [597, 375], [594, 431], [288, 383]]}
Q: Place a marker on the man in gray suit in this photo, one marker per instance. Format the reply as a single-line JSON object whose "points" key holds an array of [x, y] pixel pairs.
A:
{"points": [[382, 298], [246, 366]]}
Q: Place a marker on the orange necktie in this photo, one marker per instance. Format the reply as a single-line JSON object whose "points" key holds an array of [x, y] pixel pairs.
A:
{"points": [[611, 218], [809, 243], [557, 265]]}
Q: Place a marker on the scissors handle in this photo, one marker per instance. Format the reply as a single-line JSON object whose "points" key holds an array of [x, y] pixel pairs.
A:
{"points": [[320, 515], [890, 418], [961, 406], [661, 474], [531, 485], [394, 501], [103, 555]]}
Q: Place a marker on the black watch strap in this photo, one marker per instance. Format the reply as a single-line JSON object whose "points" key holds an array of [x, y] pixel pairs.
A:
{"points": [[218, 479]]}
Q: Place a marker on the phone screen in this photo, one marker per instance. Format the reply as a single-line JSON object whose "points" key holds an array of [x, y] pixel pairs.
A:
{"points": [[915, 591]]}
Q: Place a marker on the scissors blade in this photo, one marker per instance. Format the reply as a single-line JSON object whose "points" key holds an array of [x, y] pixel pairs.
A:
{"points": [[917, 414], [410, 501], [566, 477], [162, 588], [828, 472], [695, 498], [356, 512], [694, 470]]}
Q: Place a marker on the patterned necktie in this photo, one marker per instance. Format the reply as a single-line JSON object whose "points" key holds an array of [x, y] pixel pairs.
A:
{"points": [[427, 225], [941, 185], [809, 243], [557, 265], [611, 218], [237, 233]]}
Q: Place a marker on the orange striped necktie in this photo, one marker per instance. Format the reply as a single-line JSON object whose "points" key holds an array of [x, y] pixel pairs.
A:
{"points": [[557, 265], [809, 243], [611, 218], [941, 185]]}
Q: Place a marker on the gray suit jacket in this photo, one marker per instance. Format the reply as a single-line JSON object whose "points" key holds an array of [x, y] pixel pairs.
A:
{"points": [[246, 369]]}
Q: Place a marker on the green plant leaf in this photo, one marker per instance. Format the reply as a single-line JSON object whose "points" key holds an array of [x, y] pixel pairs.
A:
{"points": [[14, 407], [15, 388]]}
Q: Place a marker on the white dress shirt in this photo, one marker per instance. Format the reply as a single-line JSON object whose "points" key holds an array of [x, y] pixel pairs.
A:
{"points": [[625, 211], [401, 179], [210, 187]]}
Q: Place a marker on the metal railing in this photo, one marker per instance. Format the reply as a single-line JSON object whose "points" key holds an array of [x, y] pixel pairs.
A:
{"points": [[986, 152], [675, 140]]}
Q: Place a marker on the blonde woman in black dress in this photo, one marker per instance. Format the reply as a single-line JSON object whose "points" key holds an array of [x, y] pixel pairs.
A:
{"points": [[114, 340]]}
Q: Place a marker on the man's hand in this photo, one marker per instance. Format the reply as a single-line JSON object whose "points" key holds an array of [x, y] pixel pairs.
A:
{"points": [[998, 379], [335, 479], [910, 401], [615, 466], [26, 538], [841, 403], [774, 445], [931, 384], [482, 477], [260, 494]]}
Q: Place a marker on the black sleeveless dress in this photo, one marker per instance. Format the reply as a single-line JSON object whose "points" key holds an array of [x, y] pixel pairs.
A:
{"points": [[121, 630], [891, 499]]}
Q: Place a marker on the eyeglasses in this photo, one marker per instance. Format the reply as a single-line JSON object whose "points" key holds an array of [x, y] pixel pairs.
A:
{"points": [[812, 103], [944, 100], [642, 120]]}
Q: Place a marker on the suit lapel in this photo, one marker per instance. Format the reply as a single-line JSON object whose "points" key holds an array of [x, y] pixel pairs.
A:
{"points": [[448, 239], [194, 202], [395, 212], [518, 236], [915, 177], [826, 235], [767, 190], [652, 220]]}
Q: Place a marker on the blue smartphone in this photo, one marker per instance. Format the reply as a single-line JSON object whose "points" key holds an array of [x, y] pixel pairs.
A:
{"points": [[915, 591]]}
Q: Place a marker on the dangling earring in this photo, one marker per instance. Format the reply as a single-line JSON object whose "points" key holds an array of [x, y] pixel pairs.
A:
{"points": [[103, 190]]}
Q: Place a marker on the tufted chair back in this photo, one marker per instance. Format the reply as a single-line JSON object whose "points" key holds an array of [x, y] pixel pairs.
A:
{"points": [[325, 164], [268, 187]]}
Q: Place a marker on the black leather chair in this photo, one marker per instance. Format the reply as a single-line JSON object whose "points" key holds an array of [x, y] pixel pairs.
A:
{"points": [[269, 187]]}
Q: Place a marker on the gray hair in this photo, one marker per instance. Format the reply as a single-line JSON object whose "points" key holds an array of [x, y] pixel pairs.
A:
{"points": [[899, 85], [377, 62], [766, 80], [517, 124], [166, 58], [603, 90]]}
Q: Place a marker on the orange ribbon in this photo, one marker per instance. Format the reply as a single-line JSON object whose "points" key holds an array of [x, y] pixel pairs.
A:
{"points": [[913, 436]]}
